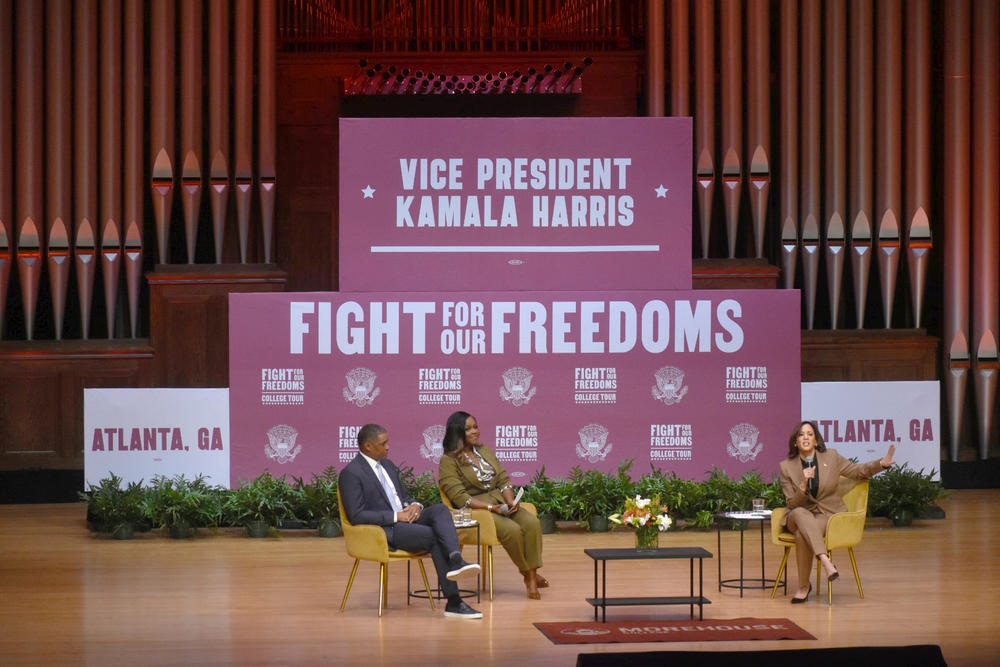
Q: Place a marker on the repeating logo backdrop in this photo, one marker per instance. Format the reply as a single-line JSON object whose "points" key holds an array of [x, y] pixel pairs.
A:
{"points": [[684, 380], [504, 203]]}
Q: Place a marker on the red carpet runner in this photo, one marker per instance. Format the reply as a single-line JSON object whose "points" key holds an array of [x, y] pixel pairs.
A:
{"points": [[613, 632]]}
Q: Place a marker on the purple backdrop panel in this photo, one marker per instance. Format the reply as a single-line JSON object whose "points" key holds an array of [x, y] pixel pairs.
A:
{"points": [[683, 380], [513, 203]]}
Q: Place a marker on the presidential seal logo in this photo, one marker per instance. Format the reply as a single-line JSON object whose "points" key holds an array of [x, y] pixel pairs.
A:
{"points": [[593, 445], [669, 386], [744, 445], [584, 632], [361, 389], [431, 449], [517, 387], [281, 446]]}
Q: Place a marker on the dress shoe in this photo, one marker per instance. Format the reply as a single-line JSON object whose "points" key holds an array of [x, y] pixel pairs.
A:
{"points": [[457, 567], [461, 610], [801, 600], [834, 576]]}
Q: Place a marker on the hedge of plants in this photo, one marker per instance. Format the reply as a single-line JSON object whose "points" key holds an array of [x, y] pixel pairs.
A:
{"points": [[180, 505], [583, 494]]}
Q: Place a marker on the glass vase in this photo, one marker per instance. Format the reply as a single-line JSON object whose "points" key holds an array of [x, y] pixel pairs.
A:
{"points": [[647, 538]]}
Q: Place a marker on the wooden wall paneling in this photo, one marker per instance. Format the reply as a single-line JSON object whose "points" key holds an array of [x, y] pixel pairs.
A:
{"points": [[41, 396], [190, 350], [29, 398], [858, 356], [189, 318], [742, 273], [611, 85], [308, 111]]}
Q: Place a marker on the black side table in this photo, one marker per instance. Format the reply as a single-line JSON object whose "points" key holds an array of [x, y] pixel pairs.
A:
{"points": [[742, 519]]}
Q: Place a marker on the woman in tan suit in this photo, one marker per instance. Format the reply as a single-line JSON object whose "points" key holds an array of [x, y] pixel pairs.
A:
{"points": [[471, 476], [810, 477]]}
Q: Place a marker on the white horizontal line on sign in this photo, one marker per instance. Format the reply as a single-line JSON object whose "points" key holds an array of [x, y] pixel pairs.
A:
{"points": [[514, 248]]}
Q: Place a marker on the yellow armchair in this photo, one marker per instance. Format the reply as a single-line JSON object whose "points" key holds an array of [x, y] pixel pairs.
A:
{"points": [[843, 531], [782, 537], [368, 542], [487, 536]]}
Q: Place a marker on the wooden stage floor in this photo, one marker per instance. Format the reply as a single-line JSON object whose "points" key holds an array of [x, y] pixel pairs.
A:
{"points": [[67, 597]]}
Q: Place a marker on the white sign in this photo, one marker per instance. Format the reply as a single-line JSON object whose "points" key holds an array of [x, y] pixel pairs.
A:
{"points": [[861, 419], [139, 433]]}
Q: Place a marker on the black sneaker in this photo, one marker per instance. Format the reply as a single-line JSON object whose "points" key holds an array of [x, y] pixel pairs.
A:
{"points": [[461, 610], [457, 567]]}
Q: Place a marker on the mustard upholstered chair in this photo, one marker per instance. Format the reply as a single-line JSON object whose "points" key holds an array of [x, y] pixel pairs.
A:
{"points": [[844, 530], [368, 542], [487, 536]]}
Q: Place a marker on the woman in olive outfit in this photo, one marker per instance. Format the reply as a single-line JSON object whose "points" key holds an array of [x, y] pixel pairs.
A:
{"points": [[471, 476]]}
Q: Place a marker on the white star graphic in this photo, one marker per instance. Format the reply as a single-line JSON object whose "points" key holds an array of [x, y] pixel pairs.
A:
{"points": [[661, 191], [368, 192]]}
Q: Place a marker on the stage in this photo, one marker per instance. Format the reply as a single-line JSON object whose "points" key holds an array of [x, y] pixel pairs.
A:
{"points": [[67, 597]]}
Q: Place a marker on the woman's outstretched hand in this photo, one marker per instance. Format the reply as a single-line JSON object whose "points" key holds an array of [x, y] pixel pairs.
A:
{"points": [[886, 460]]}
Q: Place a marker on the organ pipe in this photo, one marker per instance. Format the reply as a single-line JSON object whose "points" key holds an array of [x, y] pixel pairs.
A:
{"points": [[957, 97]]}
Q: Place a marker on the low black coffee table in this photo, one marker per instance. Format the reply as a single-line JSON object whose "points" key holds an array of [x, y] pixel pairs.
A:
{"points": [[604, 555]]}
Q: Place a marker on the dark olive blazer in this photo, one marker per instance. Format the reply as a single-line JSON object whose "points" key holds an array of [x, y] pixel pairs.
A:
{"points": [[459, 482]]}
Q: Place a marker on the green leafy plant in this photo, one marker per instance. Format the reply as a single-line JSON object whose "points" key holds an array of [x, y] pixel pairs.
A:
{"points": [[687, 498], [597, 493], [549, 495], [317, 500], [111, 508], [173, 502], [422, 487], [267, 498], [722, 493], [694, 504], [901, 490]]}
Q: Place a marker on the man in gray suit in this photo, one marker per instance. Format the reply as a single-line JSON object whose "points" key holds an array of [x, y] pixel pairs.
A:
{"points": [[372, 494]]}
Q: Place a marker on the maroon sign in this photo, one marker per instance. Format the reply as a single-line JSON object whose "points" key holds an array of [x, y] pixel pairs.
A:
{"points": [[681, 380], [515, 203]]}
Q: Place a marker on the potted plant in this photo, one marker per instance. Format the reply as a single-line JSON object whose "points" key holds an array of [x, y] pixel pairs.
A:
{"points": [[422, 487], [689, 505], [317, 502], [181, 505], [901, 492], [112, 509], [549, 496], [261, 504], [596, 494]]}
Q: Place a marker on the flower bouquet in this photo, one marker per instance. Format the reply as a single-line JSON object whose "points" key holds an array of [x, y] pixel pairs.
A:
{"points": [[648, 517]]}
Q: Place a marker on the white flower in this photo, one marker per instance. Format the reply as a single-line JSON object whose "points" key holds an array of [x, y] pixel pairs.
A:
{"points": [[641, 502]]}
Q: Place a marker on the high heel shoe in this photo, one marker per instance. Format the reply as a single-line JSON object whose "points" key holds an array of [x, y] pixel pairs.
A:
{"points": [[834, 576], [801, 600]]}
